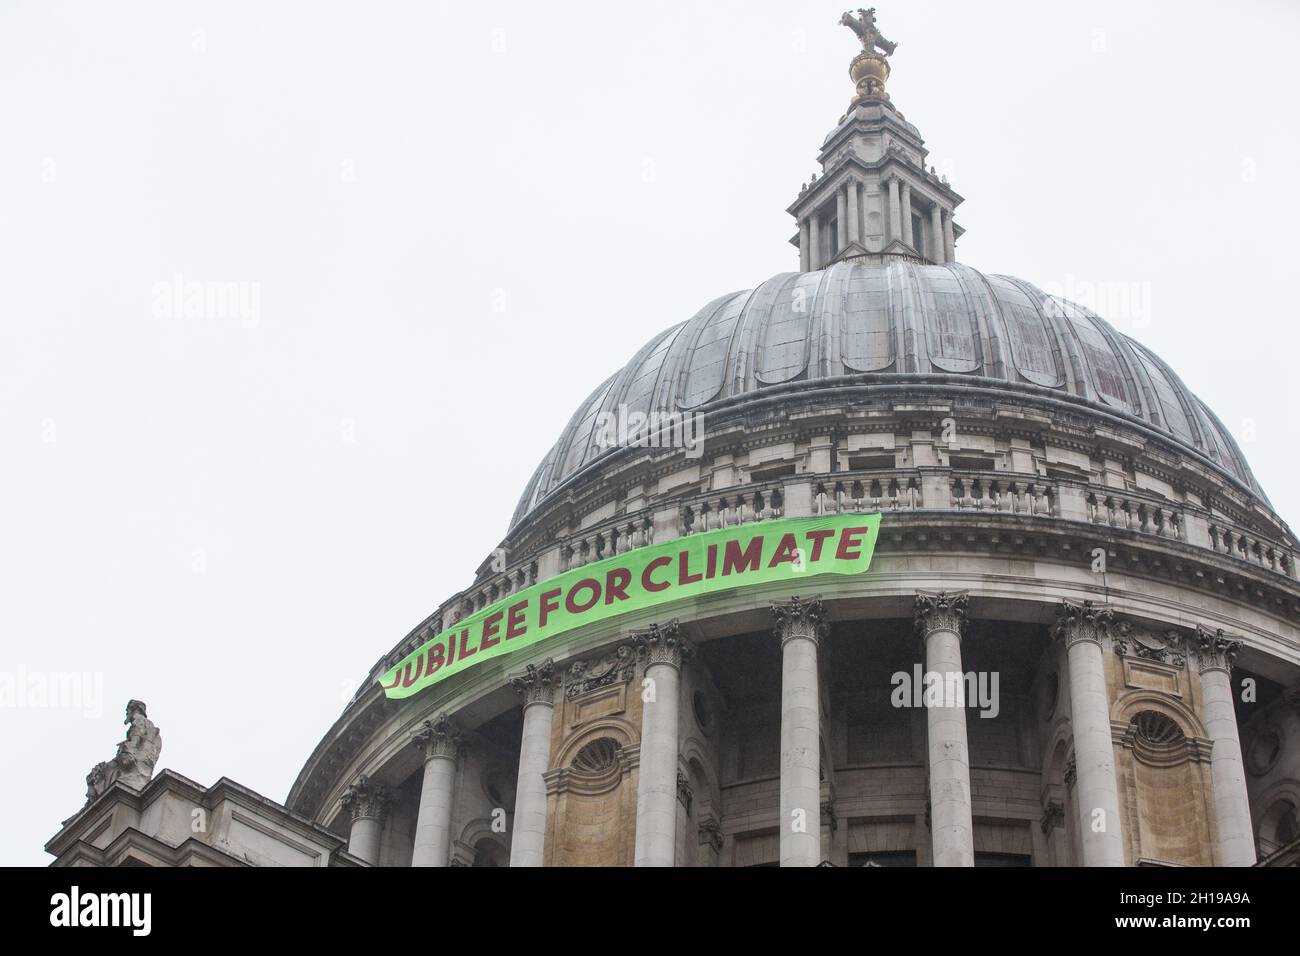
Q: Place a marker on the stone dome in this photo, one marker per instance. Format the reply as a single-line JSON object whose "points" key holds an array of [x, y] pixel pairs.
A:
{"points": [[869, 323]]}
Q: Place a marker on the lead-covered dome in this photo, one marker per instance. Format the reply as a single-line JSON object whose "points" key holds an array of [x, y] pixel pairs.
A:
{"points": [[866, 323]]}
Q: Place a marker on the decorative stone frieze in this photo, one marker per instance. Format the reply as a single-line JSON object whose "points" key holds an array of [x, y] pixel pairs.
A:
{"points": [[1167, 647], [616, 667]]}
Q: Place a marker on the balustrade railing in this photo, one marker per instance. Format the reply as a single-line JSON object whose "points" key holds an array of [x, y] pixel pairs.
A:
{"points": [[999, 493], [866, 492], [1231, 540], [1124, 510], [739, 507]]}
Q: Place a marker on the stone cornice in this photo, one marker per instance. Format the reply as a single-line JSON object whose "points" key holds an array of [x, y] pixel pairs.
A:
{"points": [[799, 619]]}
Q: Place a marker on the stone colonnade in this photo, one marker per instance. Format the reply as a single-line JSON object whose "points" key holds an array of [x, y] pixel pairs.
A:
{"points": [[801, 626], [850, 225]]}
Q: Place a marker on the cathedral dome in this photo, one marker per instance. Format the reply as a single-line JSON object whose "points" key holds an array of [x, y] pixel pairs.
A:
{"points": [[879, 323]]}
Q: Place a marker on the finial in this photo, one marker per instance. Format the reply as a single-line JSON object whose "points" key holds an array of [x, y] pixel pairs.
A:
{"points": [[870, 68]]}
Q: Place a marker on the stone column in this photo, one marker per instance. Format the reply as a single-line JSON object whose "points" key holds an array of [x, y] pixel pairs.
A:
{"points": [[440, 741], [367, 804], [814, 243], [895, 224], [1081, 627], [528, 838], [662, 650], [949, 249], [940, 618], [805, 254], [936, 233], [855, 233], [907, 215], [1215, 655], [841, 220], [800, 626]]}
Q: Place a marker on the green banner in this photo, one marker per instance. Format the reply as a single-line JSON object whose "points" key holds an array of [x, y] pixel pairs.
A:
{"points": [[791, 550]]}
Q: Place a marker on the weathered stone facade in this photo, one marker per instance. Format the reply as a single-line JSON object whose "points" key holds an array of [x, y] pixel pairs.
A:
{"points": [[1061, 516]]}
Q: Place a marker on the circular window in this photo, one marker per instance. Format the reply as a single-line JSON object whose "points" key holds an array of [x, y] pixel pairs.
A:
{"points": [[1263, 751], [499, 788]]}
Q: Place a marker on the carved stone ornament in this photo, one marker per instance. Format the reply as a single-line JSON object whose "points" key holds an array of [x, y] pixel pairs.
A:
{"points": [[1215, 650], [439, 737], [136, 756], [1071, 771], [662, 644], [1053, 817], [616, 667], [828, 816], [711, 833], [940, 611], [366, 799], [1083, 622], [536, 685], [798, 618], [1167, 647], [684, 792]]}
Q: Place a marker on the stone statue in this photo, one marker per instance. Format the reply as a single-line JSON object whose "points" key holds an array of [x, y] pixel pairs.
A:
{"points": [[136, 755], [865, 27]]}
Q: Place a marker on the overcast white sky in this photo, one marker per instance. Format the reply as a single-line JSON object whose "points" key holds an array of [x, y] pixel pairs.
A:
{"points": [[457, 219]]}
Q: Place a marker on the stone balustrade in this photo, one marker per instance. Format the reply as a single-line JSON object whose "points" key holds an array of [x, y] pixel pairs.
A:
{"points": [[988, 492], [741, 506], [1231, 540], [1148, 515], [607, 540], [866, 492]]}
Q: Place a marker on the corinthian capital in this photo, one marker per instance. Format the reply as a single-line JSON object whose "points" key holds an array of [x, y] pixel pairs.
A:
{"points": [[1215, 650], [536, 685], [798, 618], [940, 611], [663, 644], [439, 737], [366, 799], [1083, 622]]}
